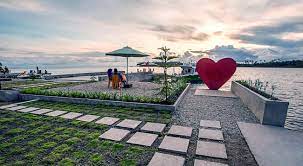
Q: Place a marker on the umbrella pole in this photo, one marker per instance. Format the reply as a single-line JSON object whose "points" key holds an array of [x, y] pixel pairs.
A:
{"points": [[126, 70]]}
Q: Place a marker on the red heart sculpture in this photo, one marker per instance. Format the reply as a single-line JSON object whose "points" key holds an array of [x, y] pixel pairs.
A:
{"points": [[213, 74]]}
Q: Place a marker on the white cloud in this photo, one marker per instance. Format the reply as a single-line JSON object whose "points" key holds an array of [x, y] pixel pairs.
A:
{"points": [[27, 5], [64, 27]]}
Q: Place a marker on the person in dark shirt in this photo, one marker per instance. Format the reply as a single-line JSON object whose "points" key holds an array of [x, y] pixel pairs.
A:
{"points": [[6, 70], [110, 76]]}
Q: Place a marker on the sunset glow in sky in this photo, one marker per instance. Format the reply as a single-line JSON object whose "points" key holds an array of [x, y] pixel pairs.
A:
{"points": [[52, 27]]}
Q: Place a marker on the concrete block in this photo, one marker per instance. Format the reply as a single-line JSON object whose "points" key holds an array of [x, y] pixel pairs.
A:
{"points": [[211, 149], [28, 109], [114, 134], [16, 108], [56, 113], [41, 111], [88, 118], [214, 93], [175, 144], [128, 123], [154, 127], [107, 121], [145, 139], [273, 146], [161, 159], [180, 130], [211, 134], [8, 106], [207, 163], [269, 112], [71, 115], [210, 123]]}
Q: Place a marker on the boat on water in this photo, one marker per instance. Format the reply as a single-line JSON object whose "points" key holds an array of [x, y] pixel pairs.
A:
{"points": [[188, 69], [25, 75]]}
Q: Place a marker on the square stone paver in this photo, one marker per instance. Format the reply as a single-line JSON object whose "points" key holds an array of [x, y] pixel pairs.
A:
{"points": [[28, 109], [211, 134], [155, 127], [161, 159], [107, 121], [140, 138], [210, 123], [56, 113], [16, 108], [211, 149], [114, 134], [7, 106], [128, 123], [180, 130], [175, 144], [71, 115], [41, 111], [88, 118], [207, 163]]}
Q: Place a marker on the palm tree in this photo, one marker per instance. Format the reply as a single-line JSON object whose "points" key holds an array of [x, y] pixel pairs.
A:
{"points": [[165, 56]]}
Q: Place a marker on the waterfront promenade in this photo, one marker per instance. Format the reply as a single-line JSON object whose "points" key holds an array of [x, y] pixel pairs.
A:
{"points": [[208, 126]]}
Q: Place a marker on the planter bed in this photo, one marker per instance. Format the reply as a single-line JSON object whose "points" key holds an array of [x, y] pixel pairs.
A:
{"points": [[9, 95], [269, 112], [107, 102]]}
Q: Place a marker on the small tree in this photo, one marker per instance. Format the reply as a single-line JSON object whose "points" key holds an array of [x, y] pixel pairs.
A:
{"points": [[165, 56]]}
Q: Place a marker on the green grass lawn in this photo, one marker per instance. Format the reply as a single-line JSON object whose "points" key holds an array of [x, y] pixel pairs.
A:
{"points": [[28, 139], [11, 84], [22, 83], [142, 114]]}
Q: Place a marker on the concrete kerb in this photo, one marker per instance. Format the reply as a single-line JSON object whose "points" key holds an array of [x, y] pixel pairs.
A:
{"points": [[96, 102], [9, 95], [269, 112], [173, 107], [180, 98]]}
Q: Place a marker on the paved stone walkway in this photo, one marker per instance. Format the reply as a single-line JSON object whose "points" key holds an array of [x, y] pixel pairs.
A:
{"points": [[176, 141]]}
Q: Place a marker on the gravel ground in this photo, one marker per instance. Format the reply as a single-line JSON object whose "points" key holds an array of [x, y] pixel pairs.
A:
{"points": [[228, 111], [139, 88]]}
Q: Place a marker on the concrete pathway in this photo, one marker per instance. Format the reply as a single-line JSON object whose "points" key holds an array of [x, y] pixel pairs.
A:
{"points": [[273, 145], [228, 111]]}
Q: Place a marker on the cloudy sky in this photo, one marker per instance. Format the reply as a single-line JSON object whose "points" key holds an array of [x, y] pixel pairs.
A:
{"points": [[62, 31]]}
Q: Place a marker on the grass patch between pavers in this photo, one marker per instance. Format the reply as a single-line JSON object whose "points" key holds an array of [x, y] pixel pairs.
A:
{"points": [[28, 139], [106, 111]]}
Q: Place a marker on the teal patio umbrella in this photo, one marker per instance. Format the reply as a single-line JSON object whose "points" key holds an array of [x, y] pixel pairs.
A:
{"points": [[127, 52]]}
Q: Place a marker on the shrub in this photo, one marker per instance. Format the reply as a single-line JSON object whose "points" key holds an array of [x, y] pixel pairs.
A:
{"points": [[259, 87], [93, 95], [194, 79]]}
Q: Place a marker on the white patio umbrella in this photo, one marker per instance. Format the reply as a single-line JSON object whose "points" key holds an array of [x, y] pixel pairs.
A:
{"points": [[127, 52]]}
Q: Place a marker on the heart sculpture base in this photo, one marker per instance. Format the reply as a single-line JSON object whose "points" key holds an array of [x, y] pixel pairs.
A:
{"points": [[213, 74]]}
